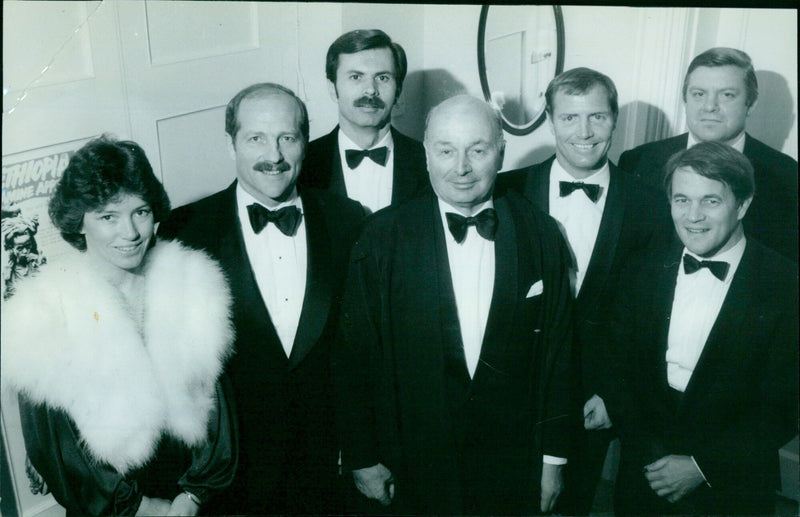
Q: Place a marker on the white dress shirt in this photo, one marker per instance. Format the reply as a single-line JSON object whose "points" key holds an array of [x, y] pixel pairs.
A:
{"points": [[370, 184], [472, 270], [279, 265], [737, 144], [695, 307], [578, 217]]}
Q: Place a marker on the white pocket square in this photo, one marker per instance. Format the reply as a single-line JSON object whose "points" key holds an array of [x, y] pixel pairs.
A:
{"points": [[535, 290]]}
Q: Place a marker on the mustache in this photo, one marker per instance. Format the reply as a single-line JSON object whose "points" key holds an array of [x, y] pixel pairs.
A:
{"points": [[266, 166], [369, 102]]}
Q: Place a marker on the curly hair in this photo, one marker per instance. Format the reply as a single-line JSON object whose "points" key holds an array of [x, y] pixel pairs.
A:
{"points": [[96, 175]]}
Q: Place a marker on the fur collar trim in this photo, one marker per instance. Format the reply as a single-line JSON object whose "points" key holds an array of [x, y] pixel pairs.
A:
{"points": [[68, 341]]}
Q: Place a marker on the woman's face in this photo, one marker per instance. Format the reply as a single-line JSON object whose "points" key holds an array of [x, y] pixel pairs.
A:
{"points": [[119, 233]]}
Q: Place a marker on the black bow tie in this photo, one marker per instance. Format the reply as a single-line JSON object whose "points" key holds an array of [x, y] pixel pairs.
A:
{"points": [[718, 268], [592, 190], [287, 219], [485, 222], [355, 157]]}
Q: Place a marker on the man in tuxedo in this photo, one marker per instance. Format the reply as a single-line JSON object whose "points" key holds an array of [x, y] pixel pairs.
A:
{"points": [[364, 157], [707, 331], [605, 216], [285, 252], [720, 90], [452, 376]]}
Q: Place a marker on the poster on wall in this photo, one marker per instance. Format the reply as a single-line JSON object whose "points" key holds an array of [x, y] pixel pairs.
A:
{"points": [[31, 243], [29, 237]]}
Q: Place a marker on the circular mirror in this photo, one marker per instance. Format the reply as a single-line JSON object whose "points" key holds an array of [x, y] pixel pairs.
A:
{"points": [[520, 50]]}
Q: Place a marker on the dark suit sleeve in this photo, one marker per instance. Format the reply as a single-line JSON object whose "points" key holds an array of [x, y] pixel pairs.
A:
{"points": [[214, 463], [625, 352], [557, 341], [355, 360]]}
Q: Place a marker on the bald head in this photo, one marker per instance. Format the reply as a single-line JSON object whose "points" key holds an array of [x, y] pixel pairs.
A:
{"points": [[464, 149], [463, 104]]}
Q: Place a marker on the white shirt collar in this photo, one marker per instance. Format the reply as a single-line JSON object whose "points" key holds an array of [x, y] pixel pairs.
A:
{"points": [[600, 177], [244, 199], [737, 144], [445, 207], [345, 142]]}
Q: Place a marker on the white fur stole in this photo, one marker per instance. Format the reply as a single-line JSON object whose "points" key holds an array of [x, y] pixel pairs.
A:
{"points": [[69, 342]]}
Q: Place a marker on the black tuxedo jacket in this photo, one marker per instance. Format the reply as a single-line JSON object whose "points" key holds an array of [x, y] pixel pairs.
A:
{"points": [[635, 217], [740, 405], [322, 167], [406, 400], [772, 216], [288, 452]]}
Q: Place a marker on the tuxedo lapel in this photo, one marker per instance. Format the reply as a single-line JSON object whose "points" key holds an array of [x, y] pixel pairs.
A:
{"points": [[606, 243], [250, 304], [506, 287], [336, 185], [403, 180], [723, 338], [317, 299], [659, 316], [537, 185], [441, 286]]}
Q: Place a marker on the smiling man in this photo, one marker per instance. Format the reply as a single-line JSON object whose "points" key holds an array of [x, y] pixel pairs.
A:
{"points": [[453, 371], [605, 216], [720, 91], [286, 264], [707, 334], [364, 157]]}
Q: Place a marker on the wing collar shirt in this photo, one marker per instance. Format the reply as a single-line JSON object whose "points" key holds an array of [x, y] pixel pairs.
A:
{"points": [[578, 217], [695, 307], [737, 144], [279, 263], [370, 183]]}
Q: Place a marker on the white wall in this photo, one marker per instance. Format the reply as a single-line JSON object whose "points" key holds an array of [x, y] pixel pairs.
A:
{"points": [[646, 52]]}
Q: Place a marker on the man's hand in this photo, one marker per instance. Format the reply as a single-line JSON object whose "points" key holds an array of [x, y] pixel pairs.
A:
{"points": [[673, 477], [552, 484], [153, 506], [375, 482], [183, 505], [595, 415]]}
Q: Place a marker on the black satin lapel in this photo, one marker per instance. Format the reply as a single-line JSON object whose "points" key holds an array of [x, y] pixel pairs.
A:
{"points": [[336, 185], [734, 313], [506, 285], [247, 296], [319, 291], [442, 285], [605, 245], [403, 181], [663, 294], [537, 185]]}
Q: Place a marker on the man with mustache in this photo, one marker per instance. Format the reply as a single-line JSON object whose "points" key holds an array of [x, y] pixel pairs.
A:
{"points": [[364, 157], [284, 251], [720, 91]]}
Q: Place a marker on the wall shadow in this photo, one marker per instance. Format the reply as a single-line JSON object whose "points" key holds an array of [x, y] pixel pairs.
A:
{"points": [[535, 155], [773, 117], [648, 123]]}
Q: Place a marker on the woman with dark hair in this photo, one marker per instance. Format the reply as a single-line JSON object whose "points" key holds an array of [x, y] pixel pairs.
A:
{"points": [[117, 349]]}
